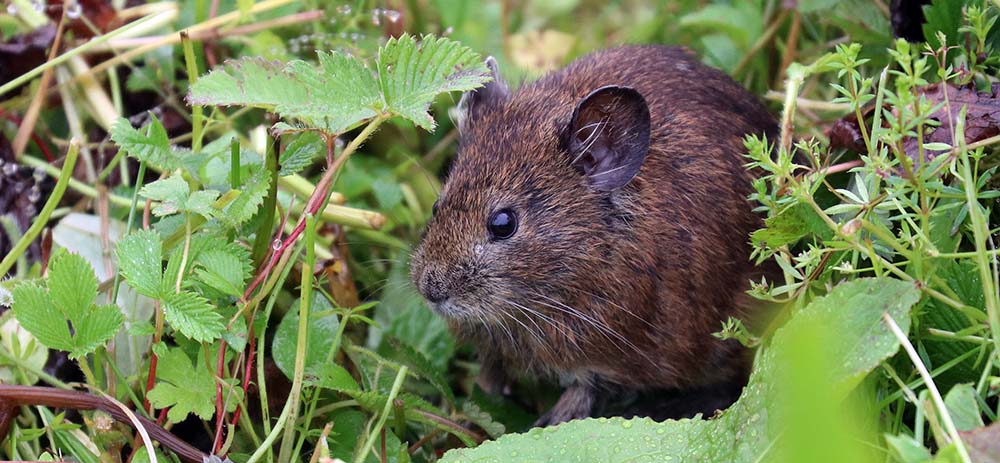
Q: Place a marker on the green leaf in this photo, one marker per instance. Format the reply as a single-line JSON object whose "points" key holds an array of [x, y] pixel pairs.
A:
{"points": [[193, 316], [482, 419], [183, 387], [336, 377], [320, 330], [152, 146], [907, 450], [387, 192], [788, 226], [221, 270], [304, 149], [963, 407], [422, 367], [411, 74], [140, 261], [171, 192], [248, 203], [860, 340], [341, 92], [36, 312], [72, 284]]}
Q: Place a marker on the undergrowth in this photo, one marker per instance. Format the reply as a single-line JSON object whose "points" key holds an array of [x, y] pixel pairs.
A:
{"points": [[228, 263]]}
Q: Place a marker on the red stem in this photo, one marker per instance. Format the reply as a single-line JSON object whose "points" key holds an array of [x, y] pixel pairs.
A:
{"points": [[34, 136]]}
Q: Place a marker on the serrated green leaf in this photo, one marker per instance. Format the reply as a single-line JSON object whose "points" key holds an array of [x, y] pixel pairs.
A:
{"points": [[222, 271], [193, 316], [482, 419], [94, 328], [411, 74], [36, 312], [183, 387], [422, 367], [342, 92], [304, 149], [153, 146], [140, 261], [72, 284], [171, 192], [248, 203], [745, 432], [200, 202]]}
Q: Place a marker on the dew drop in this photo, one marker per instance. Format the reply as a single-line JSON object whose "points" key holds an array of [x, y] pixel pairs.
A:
{"points": [[377, 17], [448, 31], [11, 9], [10, 169], [392, 15], [74, 10], [276, 245], [38, 6], [34, 194], [344, 9]]}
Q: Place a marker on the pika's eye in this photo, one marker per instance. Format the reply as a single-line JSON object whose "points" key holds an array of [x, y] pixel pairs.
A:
{"points": [[502, 224], [434, 208]]}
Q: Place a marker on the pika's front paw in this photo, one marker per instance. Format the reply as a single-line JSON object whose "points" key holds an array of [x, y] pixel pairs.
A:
{"points": [[576, 402]]}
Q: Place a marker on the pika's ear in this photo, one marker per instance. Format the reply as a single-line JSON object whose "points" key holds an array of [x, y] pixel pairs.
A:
{"points": [[608, 136], [474, 103]]}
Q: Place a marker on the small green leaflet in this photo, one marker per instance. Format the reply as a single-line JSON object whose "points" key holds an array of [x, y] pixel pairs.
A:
{"points": [[140, 261], [193, 316], [305, 148], [174, 195], [342, 92], [182, 387], [64, 315], [152, 146], [222, 271]]}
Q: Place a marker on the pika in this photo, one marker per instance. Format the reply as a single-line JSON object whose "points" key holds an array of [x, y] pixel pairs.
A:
{"points": [[594, 227]]}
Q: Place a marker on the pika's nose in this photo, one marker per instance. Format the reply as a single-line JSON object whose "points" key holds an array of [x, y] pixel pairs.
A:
{"points": [[432, 287]]}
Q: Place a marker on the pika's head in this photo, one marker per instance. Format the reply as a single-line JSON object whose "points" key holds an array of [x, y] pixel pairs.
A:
{"points": [[532, 201]]}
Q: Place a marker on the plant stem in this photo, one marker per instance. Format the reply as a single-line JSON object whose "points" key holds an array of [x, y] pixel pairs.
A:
{"points": [[43, 217], [69, 54], [929, 381], [374, 434], [305, 299]]}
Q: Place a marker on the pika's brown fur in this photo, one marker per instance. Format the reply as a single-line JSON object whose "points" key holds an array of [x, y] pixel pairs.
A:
{"points": [[601, 284]]}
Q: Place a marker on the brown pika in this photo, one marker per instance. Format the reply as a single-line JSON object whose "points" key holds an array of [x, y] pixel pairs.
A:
{"points": [[594, 227]]}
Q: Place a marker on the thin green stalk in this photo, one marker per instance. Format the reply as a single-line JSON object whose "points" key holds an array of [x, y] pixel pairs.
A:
{"points": [[946, 420], [43, 217], [234, 164], [273, 435], [10, 359], [374, 434], [305, 300], [128, 224], [197, 112], [75, 184], [74, 52], [980, 231], [265, 228]]}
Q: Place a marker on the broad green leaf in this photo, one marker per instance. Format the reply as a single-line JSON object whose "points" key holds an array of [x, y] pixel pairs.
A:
{"points": [[333, 376], [153, 146], [304, 149], [72, 283], [193, 316], [746, 432], [140, 261], [320, 330], [963, 407], [183, 387], [790, 225], [906, 449]]}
